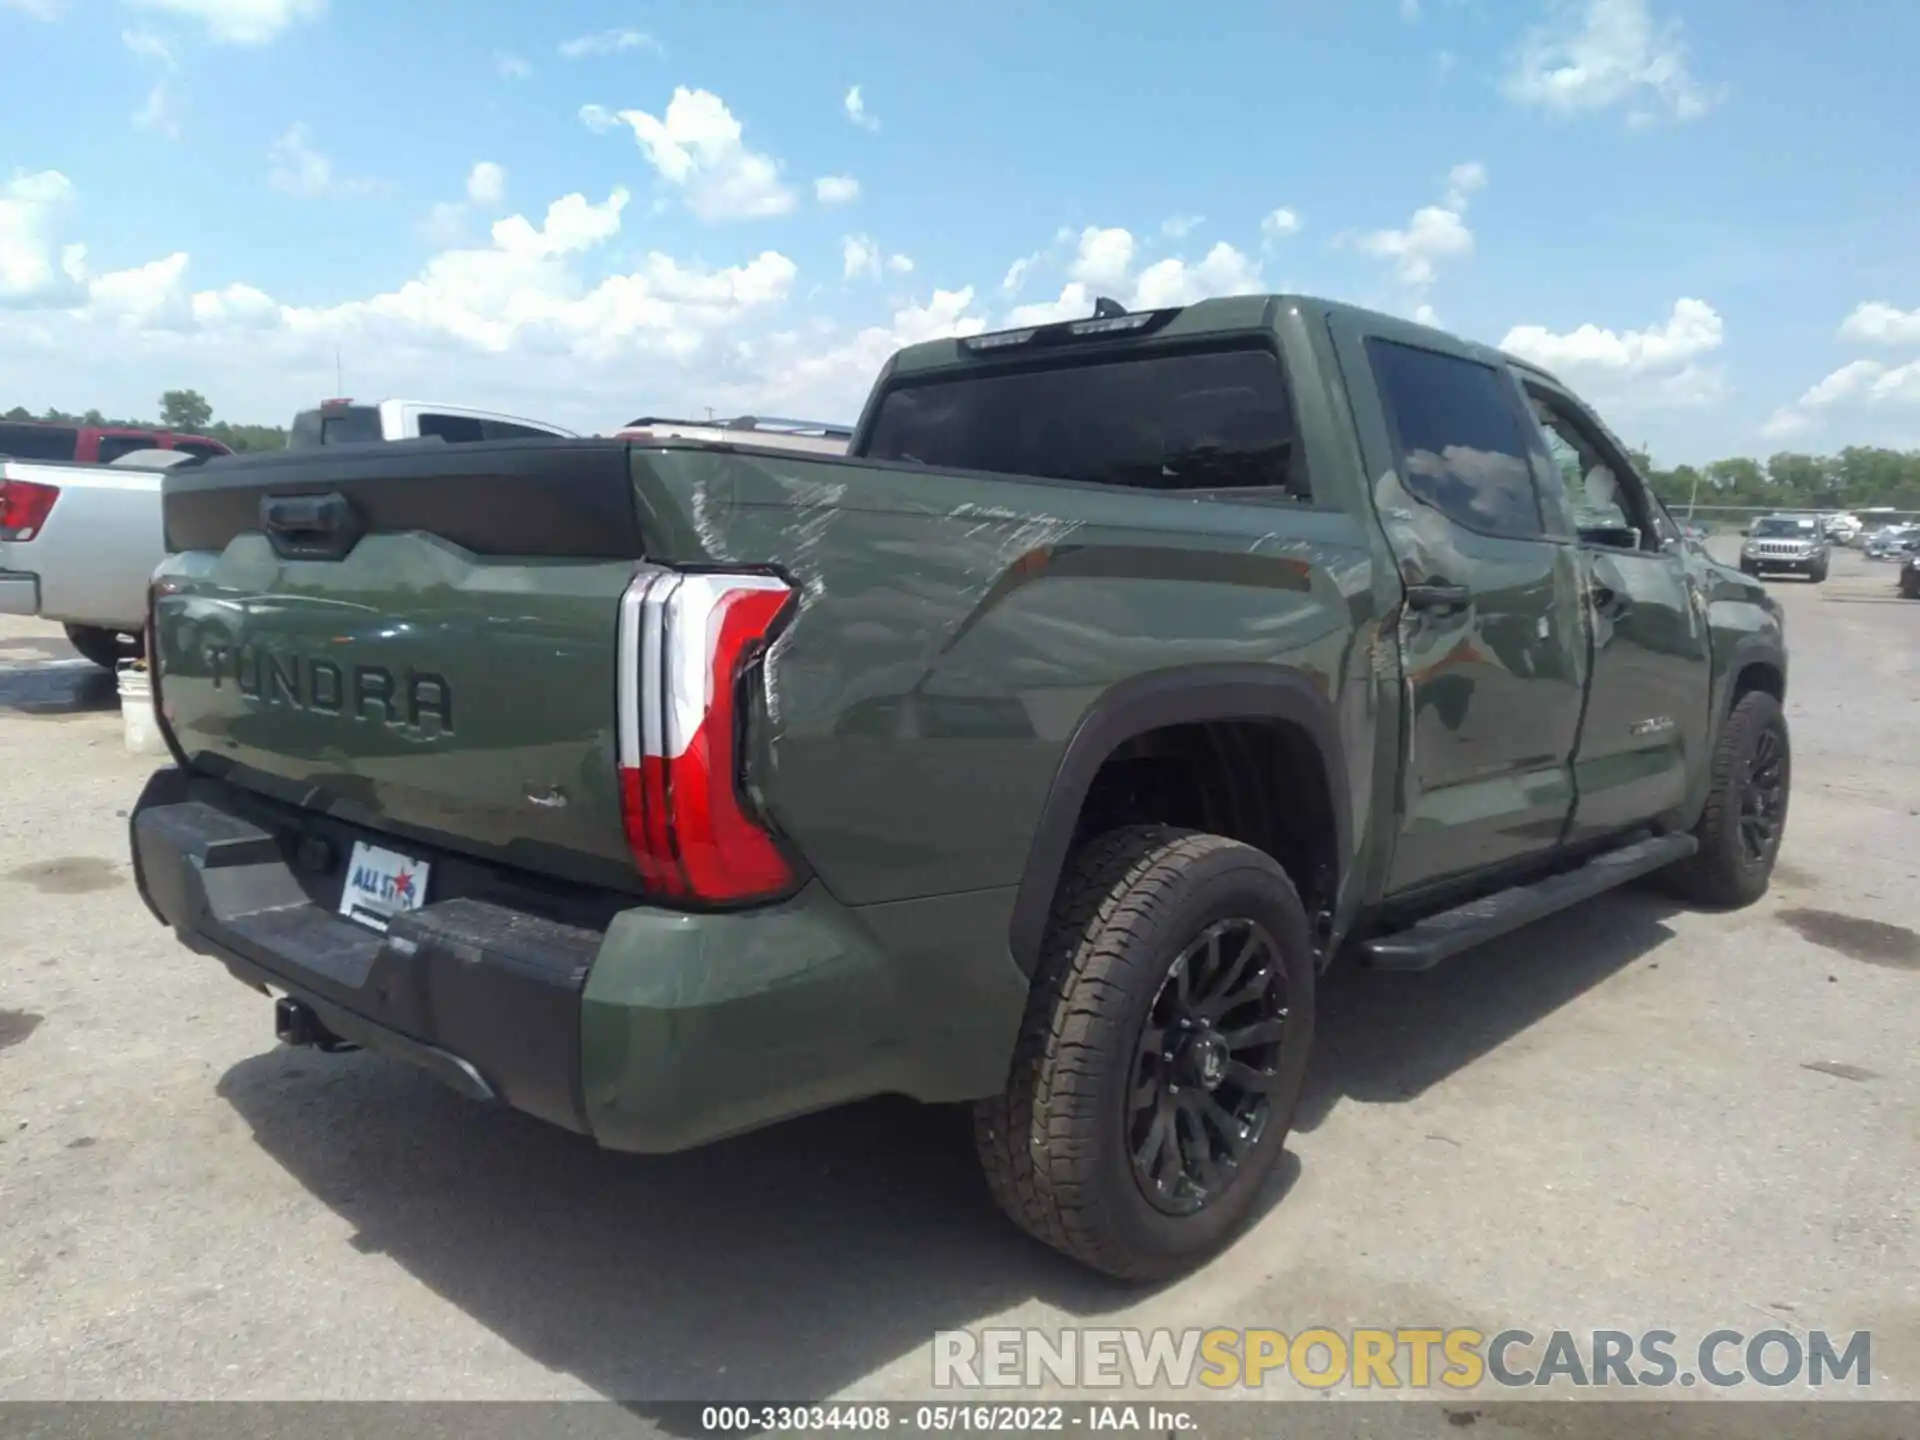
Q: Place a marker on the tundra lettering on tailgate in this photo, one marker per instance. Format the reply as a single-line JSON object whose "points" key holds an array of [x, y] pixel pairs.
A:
{"points": [[323, 687]]}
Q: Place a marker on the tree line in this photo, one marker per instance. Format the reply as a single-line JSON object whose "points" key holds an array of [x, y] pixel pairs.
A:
{"points": [[1859, 476], [183, 410]]}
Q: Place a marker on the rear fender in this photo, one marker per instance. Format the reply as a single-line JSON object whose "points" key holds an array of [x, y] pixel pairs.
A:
{"points": [[1184, 696]]}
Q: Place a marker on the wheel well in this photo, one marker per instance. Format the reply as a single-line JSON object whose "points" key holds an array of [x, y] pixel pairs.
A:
{"points": [[1760, 675], [1261, 782]]}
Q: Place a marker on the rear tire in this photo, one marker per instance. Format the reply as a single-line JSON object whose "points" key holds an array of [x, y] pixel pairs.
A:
{"points": [[1111, 1141], [105, 648], [1745, 821]]}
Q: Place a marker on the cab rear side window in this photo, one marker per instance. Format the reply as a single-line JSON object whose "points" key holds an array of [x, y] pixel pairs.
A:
{"points": [[1173, 420], [38, 442], [1457, 426]]}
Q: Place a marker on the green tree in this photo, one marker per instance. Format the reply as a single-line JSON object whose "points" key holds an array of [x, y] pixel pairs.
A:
{"points": [[185, 410]]}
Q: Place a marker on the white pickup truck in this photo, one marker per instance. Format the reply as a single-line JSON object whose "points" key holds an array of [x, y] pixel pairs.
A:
{"points": [[78, 542], [342, 422]]}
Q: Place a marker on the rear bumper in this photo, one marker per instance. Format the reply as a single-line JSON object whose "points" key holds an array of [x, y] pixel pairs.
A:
{"points": [[650, 1030]]}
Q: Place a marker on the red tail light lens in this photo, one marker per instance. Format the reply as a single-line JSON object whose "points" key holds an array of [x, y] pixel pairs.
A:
{"points": [[24, 505], [687, 644]]}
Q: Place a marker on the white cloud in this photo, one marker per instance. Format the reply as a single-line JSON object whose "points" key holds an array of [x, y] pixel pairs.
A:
{"points": [[1222, 271], [1280, 223], [607, 42], [160, 111], [1103, 265], [1178, 227], [1103, 258], [1858, 386], [296, 167], [31, 207], [511, 67], [1660, 366], [1877, 323], [855, 105], [1018, 271], [1606, 53], [241, 22], [1435, 235], [1692, 330], [815, 373], [445, 224], [1462, 181], [836, 189], [859, 256], [486, 183], [1409, 10], [696, 147], [149, 46], [34, 9]]}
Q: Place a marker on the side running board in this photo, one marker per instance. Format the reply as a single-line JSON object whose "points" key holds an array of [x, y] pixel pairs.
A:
{"points": [[1422, 946]]}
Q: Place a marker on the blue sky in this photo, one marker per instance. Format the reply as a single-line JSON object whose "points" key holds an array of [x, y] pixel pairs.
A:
{"points": [[1703, 213]]}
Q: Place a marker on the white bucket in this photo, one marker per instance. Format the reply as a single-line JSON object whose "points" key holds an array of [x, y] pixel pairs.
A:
{"points": [[136, 710]]}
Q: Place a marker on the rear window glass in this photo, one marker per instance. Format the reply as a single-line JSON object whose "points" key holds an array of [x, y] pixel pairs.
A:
{"points": [[38, 442], [454, 429], [349, 425], [1172, 421], [505, 430], [112, 447]]}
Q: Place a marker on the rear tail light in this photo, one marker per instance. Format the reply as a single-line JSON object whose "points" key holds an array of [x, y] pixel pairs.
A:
{"points": [[688, 651], [24, 505]]}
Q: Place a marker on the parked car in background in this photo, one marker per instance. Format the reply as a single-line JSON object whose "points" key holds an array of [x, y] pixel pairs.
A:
{"points": [[78, 543], [53, 440], [1889, 542], [811, 436], [1790, 543], [1842, 529], [342, 422]]}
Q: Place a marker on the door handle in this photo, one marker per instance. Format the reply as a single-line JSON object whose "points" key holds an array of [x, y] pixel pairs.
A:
{"points": [[1439, 597], [310, 527]]}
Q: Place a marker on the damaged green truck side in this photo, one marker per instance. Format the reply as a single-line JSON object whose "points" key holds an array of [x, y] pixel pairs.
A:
{"points": [[1038, 755]]}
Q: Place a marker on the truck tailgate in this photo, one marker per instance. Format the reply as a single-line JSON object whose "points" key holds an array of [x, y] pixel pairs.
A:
{"points": [[420, 639]]}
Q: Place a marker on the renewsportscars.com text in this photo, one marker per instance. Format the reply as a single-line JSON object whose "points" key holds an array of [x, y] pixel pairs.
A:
{"points": [[1400, 1358]]}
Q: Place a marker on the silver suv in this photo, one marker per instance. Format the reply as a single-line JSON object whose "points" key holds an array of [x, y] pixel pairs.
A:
{"points": [[1792, 543]]}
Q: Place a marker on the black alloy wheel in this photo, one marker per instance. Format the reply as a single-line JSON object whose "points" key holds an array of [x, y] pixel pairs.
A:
{"points": [[1763, 797], [1206, 1065]]}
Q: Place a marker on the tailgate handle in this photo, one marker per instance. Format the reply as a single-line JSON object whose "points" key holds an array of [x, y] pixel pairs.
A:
{"points": [[310, 527]]}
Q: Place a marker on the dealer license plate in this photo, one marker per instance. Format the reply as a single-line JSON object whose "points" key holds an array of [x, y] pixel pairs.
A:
{"points": [[381, 884]]}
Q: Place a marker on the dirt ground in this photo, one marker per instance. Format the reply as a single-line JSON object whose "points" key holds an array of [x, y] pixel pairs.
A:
{"points": [[1629, 1116]]}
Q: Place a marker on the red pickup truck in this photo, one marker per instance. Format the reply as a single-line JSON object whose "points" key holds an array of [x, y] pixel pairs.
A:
{"points": [[55, 440]]}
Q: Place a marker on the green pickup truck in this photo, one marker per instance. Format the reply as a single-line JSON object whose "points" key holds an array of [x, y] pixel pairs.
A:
{"points": [[1039, 754]]}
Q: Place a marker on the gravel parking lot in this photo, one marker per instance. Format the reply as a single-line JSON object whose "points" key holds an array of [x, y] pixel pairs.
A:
{"points": [[1630, 1116]]}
